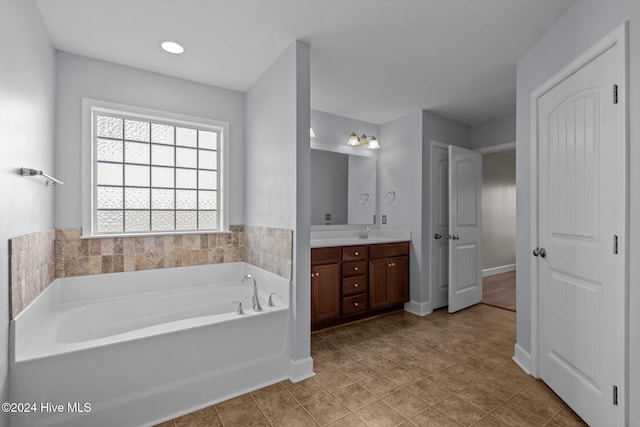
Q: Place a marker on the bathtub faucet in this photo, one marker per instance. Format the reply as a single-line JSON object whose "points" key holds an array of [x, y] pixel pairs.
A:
{"points": [[256, 303]]}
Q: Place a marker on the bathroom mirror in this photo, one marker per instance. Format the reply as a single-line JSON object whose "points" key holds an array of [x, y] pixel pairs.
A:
{"points": [[343, 188]]}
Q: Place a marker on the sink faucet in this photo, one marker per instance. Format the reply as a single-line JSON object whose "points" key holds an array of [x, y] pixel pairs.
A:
{"points": [[364, 234], [256, 303]]}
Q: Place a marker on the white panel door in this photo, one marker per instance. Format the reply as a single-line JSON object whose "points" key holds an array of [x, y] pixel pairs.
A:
{"points": [[580, 193], [465, 228], [439, 227]]}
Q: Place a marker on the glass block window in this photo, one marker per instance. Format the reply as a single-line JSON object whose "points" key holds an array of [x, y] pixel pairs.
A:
{"points": [[154, 176]]}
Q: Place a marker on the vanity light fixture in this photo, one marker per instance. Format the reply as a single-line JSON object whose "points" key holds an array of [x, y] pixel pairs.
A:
{"points": [[172, 47], [364, 141]]}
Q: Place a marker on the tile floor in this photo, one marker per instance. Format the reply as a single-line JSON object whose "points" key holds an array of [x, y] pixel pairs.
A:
{"points": [[404, 370]]}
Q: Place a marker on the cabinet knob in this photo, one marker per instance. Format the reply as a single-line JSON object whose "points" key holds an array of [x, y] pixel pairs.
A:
{"points": [[356, 253], [389, 265], [317, 274], [312, 275], [355, 303], [355, 285], [393, 264], [355, 268]]}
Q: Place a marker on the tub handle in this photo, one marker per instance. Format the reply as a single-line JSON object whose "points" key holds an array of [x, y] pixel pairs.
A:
{"points": [[239, 310], [270, 302]]}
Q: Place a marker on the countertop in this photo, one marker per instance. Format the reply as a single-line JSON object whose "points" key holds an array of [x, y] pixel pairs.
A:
{"points": [[324, 239]]}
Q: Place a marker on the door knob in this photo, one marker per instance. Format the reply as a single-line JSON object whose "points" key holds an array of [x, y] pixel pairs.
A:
{"points": [[543, 252], [536, 252], [438, 236]]}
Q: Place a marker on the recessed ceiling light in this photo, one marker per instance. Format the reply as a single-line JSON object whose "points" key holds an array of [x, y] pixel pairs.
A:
{"points": [[172, 47]]}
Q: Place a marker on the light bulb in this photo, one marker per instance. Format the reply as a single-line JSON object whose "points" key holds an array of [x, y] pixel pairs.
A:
{"points": [[172, 47]]}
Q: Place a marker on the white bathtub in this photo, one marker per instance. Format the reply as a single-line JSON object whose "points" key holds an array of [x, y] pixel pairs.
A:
{"points": [[143, 347]]}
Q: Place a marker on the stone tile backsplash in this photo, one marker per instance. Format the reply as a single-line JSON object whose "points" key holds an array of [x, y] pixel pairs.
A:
{"points": [[81, 257], [38, 258], [270, 249], [31, 266]]}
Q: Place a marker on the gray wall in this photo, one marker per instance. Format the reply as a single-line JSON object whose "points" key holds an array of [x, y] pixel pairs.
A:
{"points": [[498, 210], [79, 76], [329, 178], [277, 169], [400, 170], [581, 27], [27, 91], [494, 132]]}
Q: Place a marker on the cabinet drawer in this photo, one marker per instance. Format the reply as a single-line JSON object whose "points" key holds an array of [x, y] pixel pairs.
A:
{"points": [[387, 250], [354, 285], [354, 304], [354, 253], [354, 268], [325, 255]]}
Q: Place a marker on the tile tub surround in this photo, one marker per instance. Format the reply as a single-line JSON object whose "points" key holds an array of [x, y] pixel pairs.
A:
{"points": [[270, 249], [37, 258], [81, 257], [401, 369], [32, 267]]}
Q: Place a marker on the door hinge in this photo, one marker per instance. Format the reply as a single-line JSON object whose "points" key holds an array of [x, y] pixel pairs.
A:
{"points": [[615, 243], [615, 94], [615, 395]]}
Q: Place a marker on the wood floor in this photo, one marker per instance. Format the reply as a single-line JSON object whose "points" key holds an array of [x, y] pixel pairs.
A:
{"points": [[500, 290]]}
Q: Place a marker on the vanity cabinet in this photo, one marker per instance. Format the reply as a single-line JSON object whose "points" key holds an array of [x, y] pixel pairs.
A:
{"points": [[325, 284], [325, 288], [354, 282], [389, 275], [388, 283]]}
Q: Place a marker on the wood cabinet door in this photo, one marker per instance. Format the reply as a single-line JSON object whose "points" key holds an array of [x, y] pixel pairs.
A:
{"points": [[325, 288], [398, 280], [378, 283]]}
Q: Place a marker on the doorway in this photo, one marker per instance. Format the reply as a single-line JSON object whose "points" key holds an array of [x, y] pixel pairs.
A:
{"points": [[456, 227], [499, 226]]}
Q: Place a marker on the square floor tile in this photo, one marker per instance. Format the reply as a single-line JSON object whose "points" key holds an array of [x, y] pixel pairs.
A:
{"points": [[378, 414], [242, 415], [461, 411], [405, 403], [275, 402], [354, 396], [326, 410], [294, 417]]}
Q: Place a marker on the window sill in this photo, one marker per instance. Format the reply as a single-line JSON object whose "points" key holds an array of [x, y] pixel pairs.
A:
{"points": [[164, 233]]}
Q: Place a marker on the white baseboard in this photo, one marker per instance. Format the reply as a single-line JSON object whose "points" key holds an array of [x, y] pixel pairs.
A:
{"points": [[300, 369], [522, 358], [418, 308], [497, 270]]}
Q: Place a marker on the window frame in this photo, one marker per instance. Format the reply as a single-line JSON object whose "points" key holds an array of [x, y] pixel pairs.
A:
{"points": [[89, 162]]}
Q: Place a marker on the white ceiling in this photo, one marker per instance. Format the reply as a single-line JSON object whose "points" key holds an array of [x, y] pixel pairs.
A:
{"points": [[372, 60]]}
